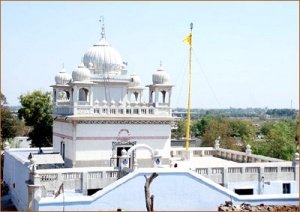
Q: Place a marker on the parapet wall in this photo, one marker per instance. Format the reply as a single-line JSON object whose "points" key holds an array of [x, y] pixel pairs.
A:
{"points": [[174, 189]]}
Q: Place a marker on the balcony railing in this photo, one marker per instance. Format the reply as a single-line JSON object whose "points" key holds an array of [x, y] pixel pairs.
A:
{"points": [[75, 179], [83, 108]]}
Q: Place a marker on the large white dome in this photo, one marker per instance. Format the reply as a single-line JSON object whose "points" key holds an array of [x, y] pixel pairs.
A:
{"points": [[160, 76], [81, 73], [105, 59], [62, 77]]}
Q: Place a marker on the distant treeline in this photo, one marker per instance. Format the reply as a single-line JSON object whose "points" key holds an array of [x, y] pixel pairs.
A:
{"points": [[238, 112]]}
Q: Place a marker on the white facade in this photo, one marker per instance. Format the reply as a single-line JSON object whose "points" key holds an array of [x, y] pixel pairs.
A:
{"points": [[96, 142]]}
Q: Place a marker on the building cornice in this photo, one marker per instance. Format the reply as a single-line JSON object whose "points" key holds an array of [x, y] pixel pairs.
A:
{"points": [[114, 120]]}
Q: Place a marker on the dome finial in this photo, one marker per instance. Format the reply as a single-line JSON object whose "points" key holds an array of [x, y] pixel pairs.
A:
{"points": [[103, 27]]}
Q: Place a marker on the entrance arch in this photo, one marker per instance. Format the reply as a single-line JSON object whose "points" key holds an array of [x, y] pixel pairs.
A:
{"points": [[141, 146]]}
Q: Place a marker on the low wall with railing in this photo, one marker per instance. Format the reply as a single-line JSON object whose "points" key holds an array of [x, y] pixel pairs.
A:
{"points": [[248, 172], [248, 167], [75, 179], [63, 108], [174, 189], [194, 152], [238, 156], [227, 154]]}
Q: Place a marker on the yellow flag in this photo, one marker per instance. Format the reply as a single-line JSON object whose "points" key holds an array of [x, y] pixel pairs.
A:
{"points": [[188, 39]]}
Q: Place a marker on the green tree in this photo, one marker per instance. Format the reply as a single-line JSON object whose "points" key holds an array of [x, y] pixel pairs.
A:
{"points": [[36, 111], [180, 131], [8, 121], [243, 129], [198, 127], [3, 99], [280, 140], [8, 124], [219, 127]]}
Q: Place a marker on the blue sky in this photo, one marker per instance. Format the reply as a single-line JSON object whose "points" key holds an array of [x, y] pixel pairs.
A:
{"points": [[245, 54]]}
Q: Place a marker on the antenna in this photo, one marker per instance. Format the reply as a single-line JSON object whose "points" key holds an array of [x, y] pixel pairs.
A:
{"points": [[101, 20]]}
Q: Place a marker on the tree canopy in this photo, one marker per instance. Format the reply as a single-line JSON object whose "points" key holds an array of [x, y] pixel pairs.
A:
{"points": [[11, 126], [36, 111], [278, 137], [280, 140], [8, 124]]}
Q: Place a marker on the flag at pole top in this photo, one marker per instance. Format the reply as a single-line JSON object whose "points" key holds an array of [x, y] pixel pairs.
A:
{"points": [[188, 39]]}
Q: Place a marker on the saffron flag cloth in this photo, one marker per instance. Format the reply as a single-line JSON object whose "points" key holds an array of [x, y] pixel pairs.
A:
{"points": [[188, 39], [60, 190]]}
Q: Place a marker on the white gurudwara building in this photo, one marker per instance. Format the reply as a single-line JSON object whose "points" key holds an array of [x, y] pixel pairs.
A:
{"points": [[99, 110], [106, 138]]}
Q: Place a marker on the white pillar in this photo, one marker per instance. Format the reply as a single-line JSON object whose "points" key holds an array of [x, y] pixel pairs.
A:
{"points": [[296, 166], [75, 95], [170, 93], [156, 97], [91, 94]]}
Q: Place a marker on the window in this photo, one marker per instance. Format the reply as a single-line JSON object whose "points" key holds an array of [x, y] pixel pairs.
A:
{"points": [[83, 94], [54, 96], [136, 95], [245, 191], [163, 96], [286, 188]]}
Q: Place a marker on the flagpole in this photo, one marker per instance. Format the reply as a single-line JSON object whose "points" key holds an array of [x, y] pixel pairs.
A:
{"points": [[188, 120], [63, 190]]}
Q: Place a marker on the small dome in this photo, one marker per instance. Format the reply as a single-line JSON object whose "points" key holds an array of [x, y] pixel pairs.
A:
{"points": [[104, 102], [81, 73], [62, 77], [120, 102], [160, 76], [135, 81], [112, 102], [96, 102], [105, 59]]}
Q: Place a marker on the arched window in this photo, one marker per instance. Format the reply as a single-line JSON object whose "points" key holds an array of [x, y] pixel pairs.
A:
{"points": [[54, 95], [163, 96], [136, 95], [151, 96], [63, 95], [68, 95], [83, 94]]}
